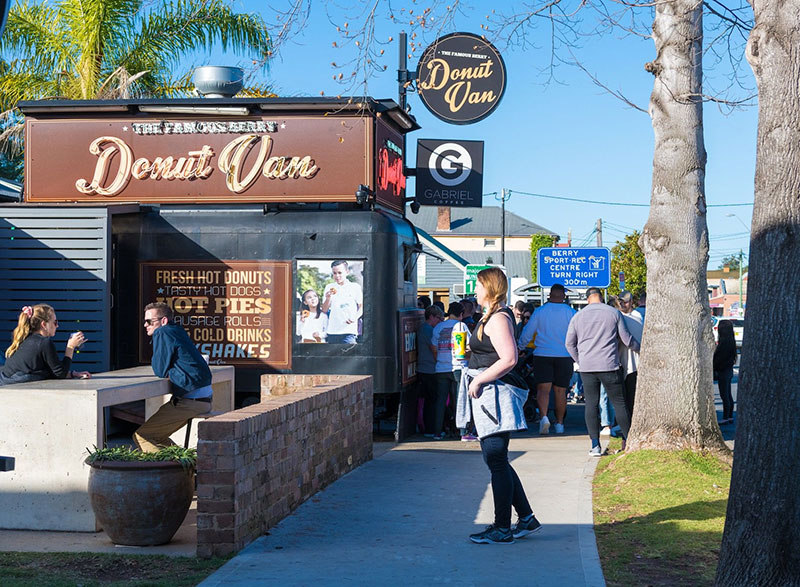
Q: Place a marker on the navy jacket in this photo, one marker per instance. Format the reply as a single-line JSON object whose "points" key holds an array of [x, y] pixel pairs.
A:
{"points": [[175, 356]]}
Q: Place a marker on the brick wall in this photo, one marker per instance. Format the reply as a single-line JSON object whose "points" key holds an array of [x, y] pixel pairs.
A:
{"points": [[257, 464]]}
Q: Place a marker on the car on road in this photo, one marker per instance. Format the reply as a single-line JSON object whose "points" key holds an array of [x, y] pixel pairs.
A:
{"points": [[738, 328]]}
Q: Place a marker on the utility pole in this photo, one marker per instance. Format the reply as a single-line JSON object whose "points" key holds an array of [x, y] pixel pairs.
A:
{"points": [[599, 230], [741, 306], [503, 227]]}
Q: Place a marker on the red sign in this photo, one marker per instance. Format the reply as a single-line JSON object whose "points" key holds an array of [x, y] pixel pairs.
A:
{"points": [[390, 186]]}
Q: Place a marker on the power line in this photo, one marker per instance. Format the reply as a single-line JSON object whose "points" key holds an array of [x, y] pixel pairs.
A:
{"points": [[603, 203], [620, 226]]}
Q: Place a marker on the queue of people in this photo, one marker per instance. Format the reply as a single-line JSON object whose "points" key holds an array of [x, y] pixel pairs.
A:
{"points": [[602, 340]]}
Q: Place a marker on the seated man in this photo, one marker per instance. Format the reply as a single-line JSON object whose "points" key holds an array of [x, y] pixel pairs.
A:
{"points": [[176, 358]]}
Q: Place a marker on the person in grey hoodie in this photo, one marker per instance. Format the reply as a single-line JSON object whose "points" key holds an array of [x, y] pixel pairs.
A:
{"points": [[592, 340]]}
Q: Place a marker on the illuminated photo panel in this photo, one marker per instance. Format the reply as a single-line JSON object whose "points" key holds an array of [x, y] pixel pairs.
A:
{"points": [[330, 301]]}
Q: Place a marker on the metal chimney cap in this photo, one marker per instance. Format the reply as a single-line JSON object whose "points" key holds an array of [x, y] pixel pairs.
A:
{"points": [[218, 81]]}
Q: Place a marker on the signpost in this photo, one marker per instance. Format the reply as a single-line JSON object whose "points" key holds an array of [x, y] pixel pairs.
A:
{"points": [[471, 277], [575, 268]]}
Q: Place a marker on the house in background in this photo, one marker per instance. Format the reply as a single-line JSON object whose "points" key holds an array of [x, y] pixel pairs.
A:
{"points": [[723, 292], [455, 237], [10, 191]]}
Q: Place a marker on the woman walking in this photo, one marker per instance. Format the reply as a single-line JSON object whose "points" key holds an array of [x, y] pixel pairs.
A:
{"points": [[494, 397]]}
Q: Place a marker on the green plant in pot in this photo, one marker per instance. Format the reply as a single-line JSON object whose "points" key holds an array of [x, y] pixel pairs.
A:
{"points": [[140, 498]]}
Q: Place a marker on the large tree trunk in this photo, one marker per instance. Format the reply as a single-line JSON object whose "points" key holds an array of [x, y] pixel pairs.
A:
{"points": [[674, 399], [761, 543]]}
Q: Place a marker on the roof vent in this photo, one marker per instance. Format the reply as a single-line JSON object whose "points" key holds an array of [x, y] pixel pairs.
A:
{"points": [[218, 81]]}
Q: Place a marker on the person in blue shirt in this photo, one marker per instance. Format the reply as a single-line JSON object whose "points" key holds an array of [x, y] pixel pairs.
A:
{"points": [[176, 358]]}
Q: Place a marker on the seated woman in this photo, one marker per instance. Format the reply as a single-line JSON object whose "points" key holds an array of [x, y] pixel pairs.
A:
{"points": [[313, 325], [32, 355]]}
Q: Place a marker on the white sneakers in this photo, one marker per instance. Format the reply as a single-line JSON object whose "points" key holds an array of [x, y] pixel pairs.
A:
{"points": [[544, 425]]}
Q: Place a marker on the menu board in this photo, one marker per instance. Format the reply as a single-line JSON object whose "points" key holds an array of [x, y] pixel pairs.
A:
{"points": [[236, 312]]}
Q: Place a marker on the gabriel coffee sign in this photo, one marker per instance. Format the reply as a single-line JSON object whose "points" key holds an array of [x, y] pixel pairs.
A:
{"points": [[461, 78]]}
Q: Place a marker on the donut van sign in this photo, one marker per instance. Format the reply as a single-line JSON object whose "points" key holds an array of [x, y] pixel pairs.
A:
{"points": [[461, 78], [186, 161]]}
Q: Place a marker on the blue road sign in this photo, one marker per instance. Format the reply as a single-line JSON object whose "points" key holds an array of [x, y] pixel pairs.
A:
{"points": [[575, 268]]}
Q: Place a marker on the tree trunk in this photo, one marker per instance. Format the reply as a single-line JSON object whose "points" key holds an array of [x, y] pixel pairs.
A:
{"points": [[761, 543], [674, 399]]}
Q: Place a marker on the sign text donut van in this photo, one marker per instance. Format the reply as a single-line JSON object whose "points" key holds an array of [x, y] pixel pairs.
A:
{"points": [[461, 78]]}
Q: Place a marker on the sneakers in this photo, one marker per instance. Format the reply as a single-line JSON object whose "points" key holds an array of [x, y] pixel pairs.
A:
{"points": [[468, 438], [559, 428], [544, 425], [596, 451], [606, 431], [523, 528], [493, 535]]}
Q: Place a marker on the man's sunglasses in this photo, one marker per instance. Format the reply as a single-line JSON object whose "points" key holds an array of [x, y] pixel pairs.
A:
{"points": [[151, 321]]}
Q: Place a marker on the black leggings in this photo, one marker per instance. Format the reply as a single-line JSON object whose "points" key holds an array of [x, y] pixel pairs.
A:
{"points": [[612, 381], [724, 379], [506, 487]]}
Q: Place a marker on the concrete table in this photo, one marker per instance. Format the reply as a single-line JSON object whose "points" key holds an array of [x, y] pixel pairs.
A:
{"points": [[48, 427]]}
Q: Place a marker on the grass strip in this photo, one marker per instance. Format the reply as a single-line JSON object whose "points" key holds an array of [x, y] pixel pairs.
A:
{"points": [[63, 569], [659, 517]]}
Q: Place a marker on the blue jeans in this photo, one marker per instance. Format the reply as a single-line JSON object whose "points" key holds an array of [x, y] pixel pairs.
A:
{"points": [[341, 339], [18, 378], [606, 409], [506, 487]]}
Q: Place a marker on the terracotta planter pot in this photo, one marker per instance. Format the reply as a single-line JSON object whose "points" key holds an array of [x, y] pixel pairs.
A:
{"points": [[140, 503]]}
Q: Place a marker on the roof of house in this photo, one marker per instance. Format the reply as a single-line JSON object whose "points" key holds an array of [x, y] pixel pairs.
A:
{"points": [[430, 244], [484, 221], [448, 272], [722, 274], [10, 191]]}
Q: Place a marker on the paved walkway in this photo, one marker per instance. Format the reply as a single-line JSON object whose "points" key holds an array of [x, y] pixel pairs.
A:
{"points": [[405, 516]]}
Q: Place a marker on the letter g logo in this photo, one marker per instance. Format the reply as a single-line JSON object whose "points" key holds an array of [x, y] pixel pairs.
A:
{"points": [[450, 164]]}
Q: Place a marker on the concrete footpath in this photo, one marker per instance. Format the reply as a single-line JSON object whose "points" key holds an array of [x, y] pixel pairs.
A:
{"points": [[405, 517]]}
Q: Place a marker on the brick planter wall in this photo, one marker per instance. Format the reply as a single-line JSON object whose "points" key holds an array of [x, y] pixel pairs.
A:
{"points": [[257, 464]]}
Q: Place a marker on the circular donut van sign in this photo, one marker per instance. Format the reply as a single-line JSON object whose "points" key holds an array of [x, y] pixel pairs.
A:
{"points": [[461, 78]]}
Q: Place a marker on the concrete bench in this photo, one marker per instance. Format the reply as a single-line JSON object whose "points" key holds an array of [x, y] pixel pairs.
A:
{"points": [[48, 426]]}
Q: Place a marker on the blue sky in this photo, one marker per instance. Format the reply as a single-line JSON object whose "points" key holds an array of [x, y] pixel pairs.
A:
{"points": [[564, 138]]}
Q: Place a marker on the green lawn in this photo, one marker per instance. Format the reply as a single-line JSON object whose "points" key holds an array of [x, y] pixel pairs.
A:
{"points": [[659, 517], [18, 569]]}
